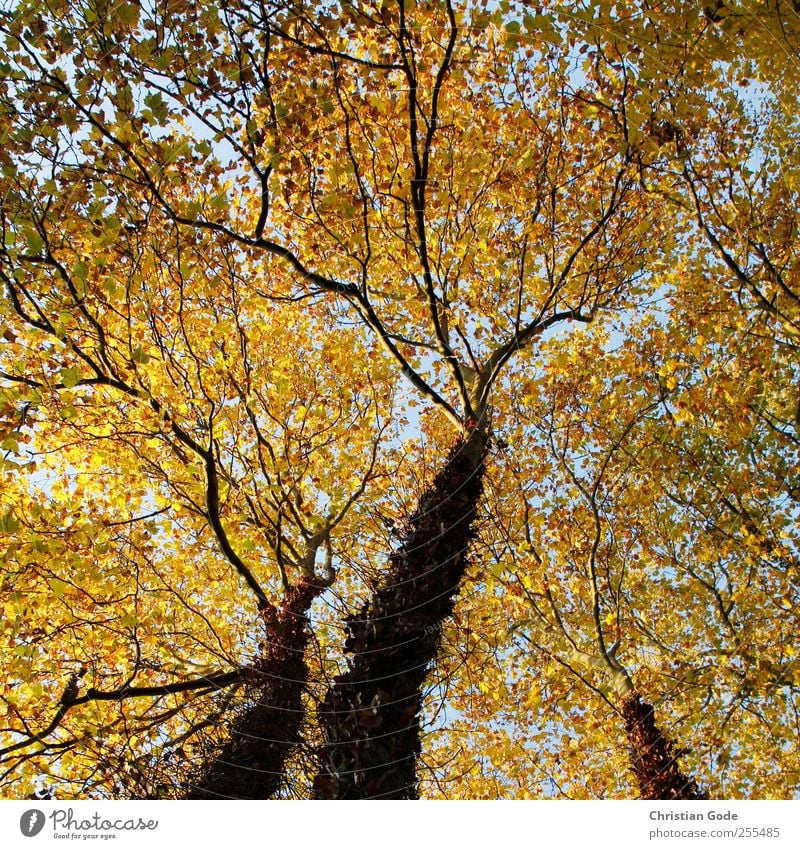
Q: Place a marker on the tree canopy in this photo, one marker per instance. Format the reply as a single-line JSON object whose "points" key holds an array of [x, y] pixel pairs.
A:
{"points": [[399, 398]]}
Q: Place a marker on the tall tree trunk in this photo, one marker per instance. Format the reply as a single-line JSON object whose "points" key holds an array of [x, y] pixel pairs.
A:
{"points": [[251, 763], [653, 757], [370, 716]]}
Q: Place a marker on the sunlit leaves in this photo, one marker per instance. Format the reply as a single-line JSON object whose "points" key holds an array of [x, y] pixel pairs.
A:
{"points": [[261, 263]]}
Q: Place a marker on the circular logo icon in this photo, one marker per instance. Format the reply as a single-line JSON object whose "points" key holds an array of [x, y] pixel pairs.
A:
{"points": [[31, 822]]}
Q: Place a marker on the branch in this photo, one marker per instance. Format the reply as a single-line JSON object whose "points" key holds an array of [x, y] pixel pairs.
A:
{"points": [[419, 184], [215, 520], [216, 681], [70, 699], [737, 271]]}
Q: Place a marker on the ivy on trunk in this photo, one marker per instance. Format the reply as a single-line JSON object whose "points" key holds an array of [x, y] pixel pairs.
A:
{"points": [[370, 716]]}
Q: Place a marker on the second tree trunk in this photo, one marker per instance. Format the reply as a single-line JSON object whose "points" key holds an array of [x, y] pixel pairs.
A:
{"points": [[370, 716]]}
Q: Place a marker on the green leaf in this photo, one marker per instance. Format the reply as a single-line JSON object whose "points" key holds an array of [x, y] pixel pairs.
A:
{"points": [[10, 444], [127, 13], [220, 201], [57, 586], [70, 377], [140, 357], [35, 242], [80, 270], [8, 524], [129, 620], [156, 104]]}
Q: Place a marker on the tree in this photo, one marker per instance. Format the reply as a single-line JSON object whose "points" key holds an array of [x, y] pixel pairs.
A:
{"points": [[300, 302]]}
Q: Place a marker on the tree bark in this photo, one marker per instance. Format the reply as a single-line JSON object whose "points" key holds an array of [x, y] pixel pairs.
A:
{"points": [[370, 717], [653, 757], [251, 763]]}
